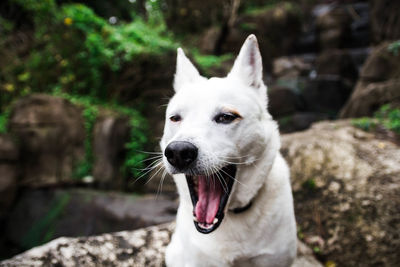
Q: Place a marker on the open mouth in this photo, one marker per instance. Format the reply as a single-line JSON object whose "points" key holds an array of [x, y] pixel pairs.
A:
{"points": [[209, 194]]}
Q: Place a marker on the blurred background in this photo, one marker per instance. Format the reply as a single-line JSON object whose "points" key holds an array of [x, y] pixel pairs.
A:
{"points": [[83, 89]]}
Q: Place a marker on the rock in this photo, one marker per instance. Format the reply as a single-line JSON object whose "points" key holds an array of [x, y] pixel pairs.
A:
{"points": [[276, 28], [359, 56], [111, 133], [339, 63], [333, 27], [282, 101], [290, 67], [44, 214], [305, 257], [193, 16], [367, 98], [299, 121], [378, 84], [50, 133], [360, 25], [326, 94], [381, 65], [208, 41], [346, 188], [334, 24], [8, 173], [143, 247], [385, 20], [139, 83]]}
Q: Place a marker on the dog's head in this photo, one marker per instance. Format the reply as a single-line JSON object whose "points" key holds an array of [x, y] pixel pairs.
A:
{"points": [[215, 132]]}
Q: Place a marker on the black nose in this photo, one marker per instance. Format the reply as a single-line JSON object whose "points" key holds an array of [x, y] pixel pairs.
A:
{"points": [[180, 154]]}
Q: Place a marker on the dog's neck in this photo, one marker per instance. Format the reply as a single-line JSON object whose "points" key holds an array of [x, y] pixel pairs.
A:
{"points": [[242, 209], [246, 188]]}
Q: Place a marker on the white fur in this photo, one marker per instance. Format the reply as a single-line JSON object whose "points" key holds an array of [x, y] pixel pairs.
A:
{"points": [[264, 235]]}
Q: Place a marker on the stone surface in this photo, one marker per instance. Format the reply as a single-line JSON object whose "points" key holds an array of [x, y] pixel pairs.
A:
{"points": [[8, 173], [208, 41], [346, 186], [143, 247], [385, 20], [267, 24], [339, 63], [111, 133], [299, 121], [282, 101], [290, 67], [368, 98], [326, 94], [333, 27], [193, 16], [378, 84], [50, 133], [42, 215]]}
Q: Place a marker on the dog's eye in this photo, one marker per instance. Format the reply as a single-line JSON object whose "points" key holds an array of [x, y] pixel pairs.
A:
{"points": [[226, 118], [175, 118]]}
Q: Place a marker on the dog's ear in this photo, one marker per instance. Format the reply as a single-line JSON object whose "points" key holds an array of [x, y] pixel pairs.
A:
{"points": [[185, 71], [248, 64]]}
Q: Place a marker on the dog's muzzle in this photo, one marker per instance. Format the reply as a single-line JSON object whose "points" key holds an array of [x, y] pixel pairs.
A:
{"points": [[181, 154]]}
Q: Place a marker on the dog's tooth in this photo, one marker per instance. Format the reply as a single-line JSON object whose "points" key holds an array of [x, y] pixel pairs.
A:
{"points": [[195, 218], [215, 220]]}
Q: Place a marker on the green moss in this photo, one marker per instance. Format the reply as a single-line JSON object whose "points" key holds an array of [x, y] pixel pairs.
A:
{"points": [[6, 26], [309, 184], [285, 121], [255, 9], [134, 147], [208, 61], [386, 116], [389, 117], [249, 27], [394, 48], [4, 116], [364, 123]]}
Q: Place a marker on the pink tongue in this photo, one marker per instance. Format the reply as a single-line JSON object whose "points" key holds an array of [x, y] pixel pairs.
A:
{"points": [[210, 192]]}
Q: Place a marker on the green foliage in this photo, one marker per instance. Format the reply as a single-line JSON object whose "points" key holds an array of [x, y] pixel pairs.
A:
{"points": [[251, 9], [394, 47], [90, 115], [4, 121], [309, 185], [74, 48], [285, 120], [257, 9], [6, 26], [386, 116], [134, 147], [248, 26], [389, 118], [75, 54], [208, 61], [364, 123], [205, 62]]}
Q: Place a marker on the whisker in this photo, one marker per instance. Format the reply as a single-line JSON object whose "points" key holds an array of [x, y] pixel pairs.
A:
{"points": [[160, 184], [150, 166], [149, 152], [154, 174], [223, 182], [149, 169], [233, 178]]}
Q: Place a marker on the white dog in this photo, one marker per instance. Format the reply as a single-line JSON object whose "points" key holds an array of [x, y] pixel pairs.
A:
{"points": [[222, 147]]}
